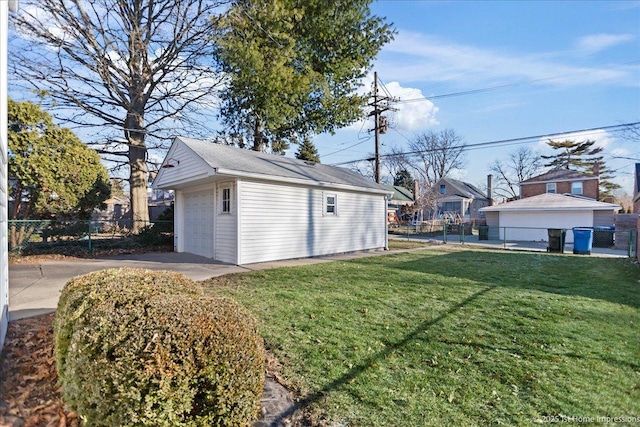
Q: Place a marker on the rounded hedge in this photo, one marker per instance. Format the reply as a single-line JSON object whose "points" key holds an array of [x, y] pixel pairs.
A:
{"points": [[142, 348]]}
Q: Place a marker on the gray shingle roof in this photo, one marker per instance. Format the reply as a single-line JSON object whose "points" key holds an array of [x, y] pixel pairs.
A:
{"points": [[560, 174], [550, 201], [230, 158], [400, 194], [463, 189]]}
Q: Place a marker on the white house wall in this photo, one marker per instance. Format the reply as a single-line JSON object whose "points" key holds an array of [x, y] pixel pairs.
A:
{"points": [[282, 222], [226, 248], [187, 167], [519, 224]]}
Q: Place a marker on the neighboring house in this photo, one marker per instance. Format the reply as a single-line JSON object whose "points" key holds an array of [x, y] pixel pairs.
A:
{"points": [[528, 219], [561, 181], [242, 207], [401, 198], [116, 209], [457, 199]]}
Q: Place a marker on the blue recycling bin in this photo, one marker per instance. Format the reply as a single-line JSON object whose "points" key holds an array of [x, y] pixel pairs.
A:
{"points": [[582, 240]]}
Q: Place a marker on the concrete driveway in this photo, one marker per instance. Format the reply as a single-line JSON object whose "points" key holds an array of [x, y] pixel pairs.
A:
{"points": [[34, 288]]}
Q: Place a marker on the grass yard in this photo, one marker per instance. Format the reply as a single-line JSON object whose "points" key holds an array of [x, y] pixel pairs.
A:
{"points": [[453, 336]]}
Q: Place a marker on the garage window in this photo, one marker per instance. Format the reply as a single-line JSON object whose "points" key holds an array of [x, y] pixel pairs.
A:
{"points": [[226, 200], [330, 204], [551, 188]]}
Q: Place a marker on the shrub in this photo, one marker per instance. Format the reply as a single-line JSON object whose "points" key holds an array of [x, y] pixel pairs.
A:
{"points": [[141, 348]]}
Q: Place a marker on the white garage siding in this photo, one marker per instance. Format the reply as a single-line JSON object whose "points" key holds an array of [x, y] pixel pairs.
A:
{"points": [[282, 222], [226, 226], [199, 211], [516, 223]]}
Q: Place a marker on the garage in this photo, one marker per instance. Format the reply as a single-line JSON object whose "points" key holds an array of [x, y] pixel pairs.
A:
{"points": [[199, 215], [529, 219]]}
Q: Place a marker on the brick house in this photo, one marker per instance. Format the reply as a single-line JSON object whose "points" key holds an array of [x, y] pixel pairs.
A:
{"points": [[562, 181]]}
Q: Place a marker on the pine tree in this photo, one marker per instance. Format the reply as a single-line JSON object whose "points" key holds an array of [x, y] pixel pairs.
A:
{"points": [[307, 151], [403, 179], [581, 157]]}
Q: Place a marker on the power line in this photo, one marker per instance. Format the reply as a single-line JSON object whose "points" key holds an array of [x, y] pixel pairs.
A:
{"points": [[504, 142]]}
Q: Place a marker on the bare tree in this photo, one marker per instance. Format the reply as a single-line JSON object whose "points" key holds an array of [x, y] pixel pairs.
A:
{"points": [[131, 71], [521, 165], [437, 154]]}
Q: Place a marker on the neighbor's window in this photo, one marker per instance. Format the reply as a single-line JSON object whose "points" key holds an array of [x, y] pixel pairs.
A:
{"points": [[551, 187], [331, 204], [226, 200], [576, 188], [443, 189]]}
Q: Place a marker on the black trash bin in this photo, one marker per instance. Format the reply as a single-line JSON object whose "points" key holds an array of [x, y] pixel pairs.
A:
{"points": [[557, 238], [603, 237], [483, 232]]}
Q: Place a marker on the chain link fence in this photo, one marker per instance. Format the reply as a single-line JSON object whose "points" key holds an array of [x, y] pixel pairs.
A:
{"points": [[605, 240], [70, 237]]}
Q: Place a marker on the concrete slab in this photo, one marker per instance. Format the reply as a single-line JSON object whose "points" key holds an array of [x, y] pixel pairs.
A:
{"points": [[35, 288]]}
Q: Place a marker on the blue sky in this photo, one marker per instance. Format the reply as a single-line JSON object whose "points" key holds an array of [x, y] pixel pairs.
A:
{"points": [[568, 65]]}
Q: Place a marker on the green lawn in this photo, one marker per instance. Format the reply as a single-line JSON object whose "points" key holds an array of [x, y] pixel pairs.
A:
{"points": [[452, 336]]}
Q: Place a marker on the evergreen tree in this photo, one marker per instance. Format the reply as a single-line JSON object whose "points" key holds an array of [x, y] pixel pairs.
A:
{"points": [[307, 151], [293, 67], [403, 179], [581, 157]]}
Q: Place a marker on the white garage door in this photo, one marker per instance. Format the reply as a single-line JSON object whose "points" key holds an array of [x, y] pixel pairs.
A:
{"points": [[198, 223]]}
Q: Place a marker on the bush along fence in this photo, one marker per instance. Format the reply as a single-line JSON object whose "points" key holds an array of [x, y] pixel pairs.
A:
{"points": [[598, 239], [30, 237]]}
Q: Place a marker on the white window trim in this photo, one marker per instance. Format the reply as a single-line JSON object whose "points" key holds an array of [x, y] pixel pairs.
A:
{"points": [[552, 185], [222, 190], [325, 204], [581, 188]]}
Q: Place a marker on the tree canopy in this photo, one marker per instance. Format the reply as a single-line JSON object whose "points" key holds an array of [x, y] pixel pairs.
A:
{"points": [[307, 151], [51, 172], [404, 179], [293, 67], [522, 164], [582, 156], [134, 72]]}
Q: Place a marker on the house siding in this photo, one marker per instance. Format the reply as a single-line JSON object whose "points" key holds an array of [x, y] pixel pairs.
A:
{"points": [[190, 168], [493, 221], [226, 249], [283, 222], [527, 226], [603, 218]]}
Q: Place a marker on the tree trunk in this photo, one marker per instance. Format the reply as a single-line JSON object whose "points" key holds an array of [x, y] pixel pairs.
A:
{"points": [[138, 172], [258, 142]]}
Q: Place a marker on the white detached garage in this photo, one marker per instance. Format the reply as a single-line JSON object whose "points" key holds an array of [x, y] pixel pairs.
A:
{"points": [[528, 219], [242, 207]]}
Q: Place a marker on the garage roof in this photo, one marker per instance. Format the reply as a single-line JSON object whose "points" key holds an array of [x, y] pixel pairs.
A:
{"points": [[550, 201], [229, 160]]}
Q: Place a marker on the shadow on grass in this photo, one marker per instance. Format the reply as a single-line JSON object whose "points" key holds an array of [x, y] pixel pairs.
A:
{"points": [[369, 362], [607, 279]]}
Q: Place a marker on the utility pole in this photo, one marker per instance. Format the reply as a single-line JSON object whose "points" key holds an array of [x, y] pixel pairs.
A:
{"points": [[376, 121], [380, 105]]}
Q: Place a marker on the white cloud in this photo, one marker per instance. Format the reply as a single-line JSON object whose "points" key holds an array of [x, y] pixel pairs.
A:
{"points": [[417, 114], [598, 42]]}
